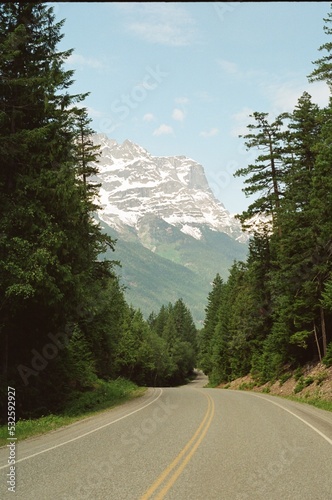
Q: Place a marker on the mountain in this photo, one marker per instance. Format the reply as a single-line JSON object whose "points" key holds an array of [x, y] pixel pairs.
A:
{"points": [[173, 234]]}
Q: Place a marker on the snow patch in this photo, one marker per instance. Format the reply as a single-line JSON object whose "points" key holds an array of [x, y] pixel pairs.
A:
{"points": [[195, 232]]}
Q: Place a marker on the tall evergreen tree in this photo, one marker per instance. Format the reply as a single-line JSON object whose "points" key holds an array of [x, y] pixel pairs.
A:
{"points": [[205, 335], [293, 280], [266, 174], [323, 70], [49, 244]]}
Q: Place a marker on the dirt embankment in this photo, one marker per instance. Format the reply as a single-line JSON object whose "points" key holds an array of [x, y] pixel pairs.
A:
{"points": [[311, 382]]}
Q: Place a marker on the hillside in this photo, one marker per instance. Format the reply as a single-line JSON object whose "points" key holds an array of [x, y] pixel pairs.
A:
{"points": [[179, 267], [173, 235], [312, 382]]}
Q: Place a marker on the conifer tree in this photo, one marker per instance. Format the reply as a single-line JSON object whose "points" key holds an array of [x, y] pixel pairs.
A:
{"points": [[266, 174], [205, 335], [49, 244], [294, 276], [323, 70]]}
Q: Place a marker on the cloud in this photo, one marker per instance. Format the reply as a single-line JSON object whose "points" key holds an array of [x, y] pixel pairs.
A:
{"points": [[161, 23], [228, 66], [82, 61], [182, 100], [204, 96], [319, 92], [240, 122], [163, 130], [148, 117], [210, 133], [178, 115], [284, 95], [94, 113]]}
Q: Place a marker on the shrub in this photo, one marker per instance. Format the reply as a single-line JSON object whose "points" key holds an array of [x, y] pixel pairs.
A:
{"points": [[303, 383], [327, 360], [284, 378], [298, 373]]}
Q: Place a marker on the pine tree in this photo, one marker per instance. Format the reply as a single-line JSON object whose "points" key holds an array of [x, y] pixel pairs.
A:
{"points": [[185, 325], [266, 174], [204, 338], [323, 70], [49, 244], [294, 277]]}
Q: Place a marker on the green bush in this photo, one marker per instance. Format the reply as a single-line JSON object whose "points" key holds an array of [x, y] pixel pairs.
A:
{"points": [[247, 386], [298, 373], [303, 383], [327, 360], [321, 377], [104, 395], [284, 378]]}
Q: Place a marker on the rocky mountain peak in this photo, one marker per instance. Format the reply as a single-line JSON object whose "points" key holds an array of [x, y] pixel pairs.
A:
{"points": [[174, 189]]}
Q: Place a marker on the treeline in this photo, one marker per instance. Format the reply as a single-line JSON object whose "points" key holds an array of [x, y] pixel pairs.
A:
{"points": [[64, 321], [275, 310]]}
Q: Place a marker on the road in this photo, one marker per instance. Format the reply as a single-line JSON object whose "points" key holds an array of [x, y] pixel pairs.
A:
{"points": [[184, 443]]}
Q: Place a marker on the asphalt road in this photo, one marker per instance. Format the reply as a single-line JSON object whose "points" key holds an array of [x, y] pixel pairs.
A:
{"points": [[185, 443]]}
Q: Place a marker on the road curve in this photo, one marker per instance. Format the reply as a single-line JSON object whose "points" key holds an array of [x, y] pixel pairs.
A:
{"points": [[179, 444]]}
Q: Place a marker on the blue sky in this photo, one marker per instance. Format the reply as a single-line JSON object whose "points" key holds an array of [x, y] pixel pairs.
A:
{"points": [[182, 78]]}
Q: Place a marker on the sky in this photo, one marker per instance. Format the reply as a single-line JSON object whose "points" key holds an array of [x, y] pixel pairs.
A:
{"points": [[182, 78]]}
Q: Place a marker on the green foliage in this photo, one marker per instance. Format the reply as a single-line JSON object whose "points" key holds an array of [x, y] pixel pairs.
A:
{"points": [[80, 364], [275, 310], [302, 383], [284, 377], [321, 377], [266, 390], [149, 277], [102, 396], [327, 360], [246, 386], [327, 296], [298, 373], [266, 175]]}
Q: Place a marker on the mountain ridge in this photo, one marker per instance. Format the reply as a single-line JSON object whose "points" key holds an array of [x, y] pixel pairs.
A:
{"points": [[175, 188], [173, 236]]}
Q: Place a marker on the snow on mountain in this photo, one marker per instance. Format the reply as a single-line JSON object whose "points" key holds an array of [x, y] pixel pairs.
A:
{"points": [[135, 184]]}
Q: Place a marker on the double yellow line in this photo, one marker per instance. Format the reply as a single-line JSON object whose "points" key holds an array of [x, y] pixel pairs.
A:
{"points": [[182, 459]]}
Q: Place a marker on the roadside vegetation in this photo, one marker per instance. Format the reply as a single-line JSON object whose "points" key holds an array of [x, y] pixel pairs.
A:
{"points": [[311, 384], [275, 309], [104, 396], [66, 328], [70, 343]]}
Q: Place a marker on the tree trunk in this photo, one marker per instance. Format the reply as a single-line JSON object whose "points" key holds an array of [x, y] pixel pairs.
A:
{"points": [[317, 343], [323, 326]]}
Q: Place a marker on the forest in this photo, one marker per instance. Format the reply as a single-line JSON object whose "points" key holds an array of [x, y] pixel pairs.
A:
{"points": [[274, 313], [65, 325]]}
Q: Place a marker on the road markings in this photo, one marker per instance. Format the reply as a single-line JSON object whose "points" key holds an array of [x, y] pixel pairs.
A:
{"points": [[87, 433], [185, 455], [297, 416]]}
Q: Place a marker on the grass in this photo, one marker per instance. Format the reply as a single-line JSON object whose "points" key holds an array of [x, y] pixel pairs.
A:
{"points": [[323, 404], [105, 395], [284, 377], [302, 383], [247, 386]]}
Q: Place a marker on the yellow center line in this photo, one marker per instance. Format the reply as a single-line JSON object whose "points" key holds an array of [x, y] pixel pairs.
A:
{"points": [[199, 435]]}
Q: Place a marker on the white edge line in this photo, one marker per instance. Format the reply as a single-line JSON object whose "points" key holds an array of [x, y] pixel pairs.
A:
{"points": [[294, 415], [86, 433]]}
